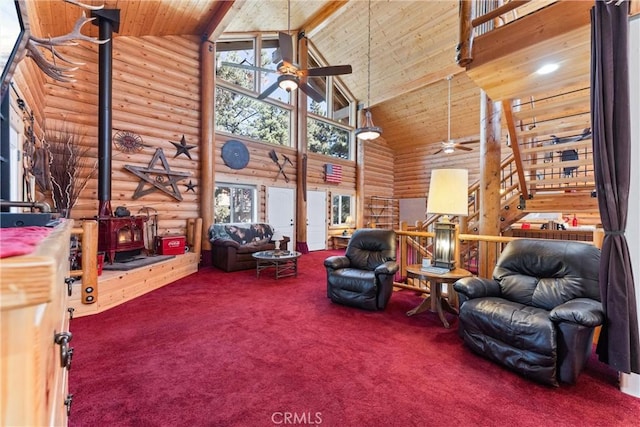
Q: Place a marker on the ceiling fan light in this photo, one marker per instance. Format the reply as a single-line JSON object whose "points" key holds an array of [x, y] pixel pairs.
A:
{"points": [[369, 131], [449, 149], [288, 82]]}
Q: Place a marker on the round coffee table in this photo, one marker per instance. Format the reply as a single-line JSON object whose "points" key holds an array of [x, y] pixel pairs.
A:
{"points": [[285, 263], [436, 302]]}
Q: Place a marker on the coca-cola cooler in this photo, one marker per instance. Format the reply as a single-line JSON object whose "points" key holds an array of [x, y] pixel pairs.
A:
{"points": [[170, 244]]}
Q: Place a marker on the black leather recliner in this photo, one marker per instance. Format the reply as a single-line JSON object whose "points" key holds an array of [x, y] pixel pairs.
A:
{"points": [[538, 314], [363, 277]]}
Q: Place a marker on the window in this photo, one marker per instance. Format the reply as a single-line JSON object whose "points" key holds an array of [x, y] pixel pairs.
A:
{"points": [[329, 139], [243, 115], [342, 210], [235, 203], [329, 129]]}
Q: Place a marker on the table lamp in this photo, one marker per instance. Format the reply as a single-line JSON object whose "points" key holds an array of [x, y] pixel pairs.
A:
{"points": [[448, 195]]}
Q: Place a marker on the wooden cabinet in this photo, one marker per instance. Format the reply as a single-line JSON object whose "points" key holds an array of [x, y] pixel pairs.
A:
{"points": [[33, 304]]}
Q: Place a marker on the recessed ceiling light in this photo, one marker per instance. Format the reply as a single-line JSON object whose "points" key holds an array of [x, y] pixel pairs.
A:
{"points": [[547, 68]]}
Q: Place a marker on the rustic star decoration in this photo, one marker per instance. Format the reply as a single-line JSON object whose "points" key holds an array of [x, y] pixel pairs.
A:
{"points": [[163, 179], [190, 186], [182, 148]]}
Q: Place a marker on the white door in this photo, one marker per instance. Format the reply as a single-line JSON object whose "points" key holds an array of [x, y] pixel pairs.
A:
{"points": [[317, 220], [281, 212]]}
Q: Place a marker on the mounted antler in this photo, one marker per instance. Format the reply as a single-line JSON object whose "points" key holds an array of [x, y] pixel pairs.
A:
{"points": [[36, 47]]}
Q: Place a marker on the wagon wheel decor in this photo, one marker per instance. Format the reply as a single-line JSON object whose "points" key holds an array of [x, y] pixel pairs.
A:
{"points": [[128, 142]]}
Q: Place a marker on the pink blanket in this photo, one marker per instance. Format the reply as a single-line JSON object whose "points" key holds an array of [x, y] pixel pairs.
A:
{"points": [[16, 241]]}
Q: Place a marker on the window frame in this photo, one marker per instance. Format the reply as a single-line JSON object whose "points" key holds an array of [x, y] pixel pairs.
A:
{"points": [[351, 213], [254, 201]]}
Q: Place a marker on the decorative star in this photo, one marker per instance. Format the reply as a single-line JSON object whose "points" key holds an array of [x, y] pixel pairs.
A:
{"points": [[190, 186], [159, 179], [182, 148]]}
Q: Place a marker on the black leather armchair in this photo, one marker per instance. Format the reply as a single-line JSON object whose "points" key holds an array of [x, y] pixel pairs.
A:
{"points": [[538, 314], [363, 277]]}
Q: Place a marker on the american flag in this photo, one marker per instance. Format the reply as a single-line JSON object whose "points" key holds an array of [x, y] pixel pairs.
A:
{"points": [[332, 173]]}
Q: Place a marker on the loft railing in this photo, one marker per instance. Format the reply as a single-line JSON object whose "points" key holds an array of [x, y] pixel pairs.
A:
{"points": [[478, 17]]}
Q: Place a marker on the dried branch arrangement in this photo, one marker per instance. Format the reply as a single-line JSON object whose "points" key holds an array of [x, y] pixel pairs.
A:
{"points": [[70, 167]]}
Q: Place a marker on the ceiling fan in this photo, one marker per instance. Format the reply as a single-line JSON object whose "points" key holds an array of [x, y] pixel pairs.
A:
{"points": [[291, 75], [449, 146]]}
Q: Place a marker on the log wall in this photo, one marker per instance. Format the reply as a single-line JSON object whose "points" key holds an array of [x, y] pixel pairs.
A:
{"points": [[155, 96]]}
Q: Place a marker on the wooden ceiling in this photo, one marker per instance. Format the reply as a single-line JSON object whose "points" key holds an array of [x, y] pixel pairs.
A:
{"points": [[413, 49]]}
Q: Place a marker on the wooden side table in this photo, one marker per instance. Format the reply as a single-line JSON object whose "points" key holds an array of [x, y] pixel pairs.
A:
{"points": [[340, 241], [436, 302]]}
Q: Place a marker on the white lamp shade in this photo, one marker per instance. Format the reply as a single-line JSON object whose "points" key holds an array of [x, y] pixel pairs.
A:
{"points": [[448, 192]]}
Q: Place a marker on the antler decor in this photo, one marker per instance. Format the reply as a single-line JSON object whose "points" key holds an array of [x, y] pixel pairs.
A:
{"points": [[36, 47]]}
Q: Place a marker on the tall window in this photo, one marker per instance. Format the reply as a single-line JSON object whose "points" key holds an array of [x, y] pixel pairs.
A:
{"points": [[342, 210], [238, 112], [329, 127], [235, 203]]}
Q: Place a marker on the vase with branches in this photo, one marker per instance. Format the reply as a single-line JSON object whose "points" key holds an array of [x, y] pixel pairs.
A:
{"points": [[70, 167]]}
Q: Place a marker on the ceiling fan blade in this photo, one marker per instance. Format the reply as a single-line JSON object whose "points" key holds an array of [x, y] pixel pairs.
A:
{"points": [[268, 91], [461, 147], [475, 141], [314, 94], [286, 47], [333, 70], [247, 67], [438, 152]]}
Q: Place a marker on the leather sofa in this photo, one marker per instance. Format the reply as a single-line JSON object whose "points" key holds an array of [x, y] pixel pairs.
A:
{"points": [[537, 315], [233, 244], [363, 276]]}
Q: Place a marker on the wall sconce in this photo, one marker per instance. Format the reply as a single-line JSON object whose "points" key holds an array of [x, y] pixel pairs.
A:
{"points": [[448, 195]]}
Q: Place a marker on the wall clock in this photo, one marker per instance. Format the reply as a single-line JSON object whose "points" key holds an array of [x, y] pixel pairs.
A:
{"points": [[235, 154]]}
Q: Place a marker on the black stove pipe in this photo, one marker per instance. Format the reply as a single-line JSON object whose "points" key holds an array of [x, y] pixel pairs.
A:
{"points": [[108, 21]]}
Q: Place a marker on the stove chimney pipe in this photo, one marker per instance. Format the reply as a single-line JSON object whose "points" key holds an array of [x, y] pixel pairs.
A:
{"points": [[108, 21]]}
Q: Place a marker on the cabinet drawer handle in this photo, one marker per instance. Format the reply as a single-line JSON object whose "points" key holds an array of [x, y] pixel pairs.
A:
{"points": [[62, 339], [67, 402], [69, 281]]}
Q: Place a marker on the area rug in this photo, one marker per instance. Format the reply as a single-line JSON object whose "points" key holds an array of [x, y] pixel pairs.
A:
{"points": [[136, 262]]}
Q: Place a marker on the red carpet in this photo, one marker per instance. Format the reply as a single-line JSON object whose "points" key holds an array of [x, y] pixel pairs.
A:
{"points": [[227, 349]]}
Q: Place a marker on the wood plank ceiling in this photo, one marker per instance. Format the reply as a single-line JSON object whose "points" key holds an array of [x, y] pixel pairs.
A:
{"points": [[412, 51]]}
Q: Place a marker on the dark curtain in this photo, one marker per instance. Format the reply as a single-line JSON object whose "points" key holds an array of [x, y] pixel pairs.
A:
{"points": [[618, 345]]}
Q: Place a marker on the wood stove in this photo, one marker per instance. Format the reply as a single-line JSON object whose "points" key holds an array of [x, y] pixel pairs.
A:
{"points": [[120, 237]]}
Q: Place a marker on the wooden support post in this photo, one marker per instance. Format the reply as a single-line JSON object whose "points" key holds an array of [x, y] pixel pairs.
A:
{"points": [[89, 262], [489, 218], [302, 159], [207, 131], [465, 37]]}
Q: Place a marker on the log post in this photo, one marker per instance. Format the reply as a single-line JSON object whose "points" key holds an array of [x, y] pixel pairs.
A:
{"points": [[207, 142], [465, 37], [489, 218]]}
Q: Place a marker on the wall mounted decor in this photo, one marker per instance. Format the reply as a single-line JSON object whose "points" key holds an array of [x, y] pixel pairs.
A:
{"points": [[182, 148], [163, 179], [128, 142], [190, 186], [235, 154]]}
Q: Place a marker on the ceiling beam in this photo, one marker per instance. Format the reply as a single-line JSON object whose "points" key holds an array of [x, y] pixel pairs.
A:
{"points": [[220, 18], [319, 19]]}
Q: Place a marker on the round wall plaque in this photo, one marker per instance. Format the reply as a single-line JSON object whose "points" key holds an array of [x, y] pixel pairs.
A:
{"points": [[235, 154]]}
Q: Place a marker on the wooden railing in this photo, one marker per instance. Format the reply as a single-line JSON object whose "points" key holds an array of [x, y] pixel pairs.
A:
{"points": [[87, 233], [478, 17], [477, 252]]}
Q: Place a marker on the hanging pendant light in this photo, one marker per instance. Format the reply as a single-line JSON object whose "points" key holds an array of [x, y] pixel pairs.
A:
{"points": [[369, 131]]}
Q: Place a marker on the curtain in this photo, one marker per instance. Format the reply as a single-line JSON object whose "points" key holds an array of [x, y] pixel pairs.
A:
{"points": [[618, 345]]}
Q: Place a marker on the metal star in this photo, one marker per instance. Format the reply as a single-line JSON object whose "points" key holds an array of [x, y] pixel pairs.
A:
{"points": [[182, 148], [160, 179], [190, 186]]}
